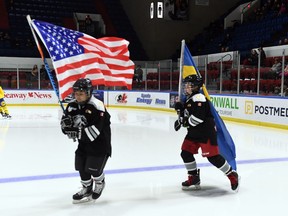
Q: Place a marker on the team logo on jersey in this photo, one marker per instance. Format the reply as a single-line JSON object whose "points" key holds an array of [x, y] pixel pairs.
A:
{"points": [[79, 121]]}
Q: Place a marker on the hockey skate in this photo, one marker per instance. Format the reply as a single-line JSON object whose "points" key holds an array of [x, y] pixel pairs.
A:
{"points": [[99, 187], [84, 195], [193, 182], [234, 180]]}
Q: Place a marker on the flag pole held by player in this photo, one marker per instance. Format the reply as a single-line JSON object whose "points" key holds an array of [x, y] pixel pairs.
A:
{"points": [[45, 63]]}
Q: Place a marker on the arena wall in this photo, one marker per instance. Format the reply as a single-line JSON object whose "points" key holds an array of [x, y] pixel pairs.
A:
{"points": [[257, 110]]}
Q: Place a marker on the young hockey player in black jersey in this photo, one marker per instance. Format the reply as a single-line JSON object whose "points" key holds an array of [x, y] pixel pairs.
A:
{"points": [[196, 116], [87, 120]]}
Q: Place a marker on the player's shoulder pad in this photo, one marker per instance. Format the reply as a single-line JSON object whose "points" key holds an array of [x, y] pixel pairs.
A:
{"points": [[199, 98], [98, 104]]}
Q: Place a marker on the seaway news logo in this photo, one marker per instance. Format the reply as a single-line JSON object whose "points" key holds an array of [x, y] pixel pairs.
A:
{"points": [[25, 96]]}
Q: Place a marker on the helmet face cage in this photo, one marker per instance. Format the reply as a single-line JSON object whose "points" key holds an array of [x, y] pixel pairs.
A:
{"points": [[83, 84]]}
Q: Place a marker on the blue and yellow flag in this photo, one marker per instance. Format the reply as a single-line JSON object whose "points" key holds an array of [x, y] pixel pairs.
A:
{"points": [[189, 67], [225, 142]]}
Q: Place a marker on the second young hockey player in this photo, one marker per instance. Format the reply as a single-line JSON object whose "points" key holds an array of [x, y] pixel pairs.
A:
{"points": [[195, 115]]}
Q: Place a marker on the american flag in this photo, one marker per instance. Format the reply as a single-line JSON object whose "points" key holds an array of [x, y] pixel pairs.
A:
{"points": [[77, 55]]}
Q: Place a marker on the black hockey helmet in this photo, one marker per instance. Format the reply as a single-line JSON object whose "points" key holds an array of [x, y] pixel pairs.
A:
{"points": [[83, 84], [194, 81]]}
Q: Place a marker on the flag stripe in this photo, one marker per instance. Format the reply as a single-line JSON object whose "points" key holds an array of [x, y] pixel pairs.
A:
{"points": [[189, 66], [114, 49], [116, 69]]}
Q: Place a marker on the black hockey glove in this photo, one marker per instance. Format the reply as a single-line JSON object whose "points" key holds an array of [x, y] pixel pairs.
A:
{"points": [[66, 122], [73, 132], [177, 124], [179, 107]]}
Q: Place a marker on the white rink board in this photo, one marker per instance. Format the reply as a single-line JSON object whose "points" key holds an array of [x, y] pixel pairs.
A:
{"points": [[138, 99], [254, 109], [264, 109]]}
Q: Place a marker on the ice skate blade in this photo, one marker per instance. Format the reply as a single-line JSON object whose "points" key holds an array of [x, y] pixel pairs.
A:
{"points": [[191, 188], [84, 200]]}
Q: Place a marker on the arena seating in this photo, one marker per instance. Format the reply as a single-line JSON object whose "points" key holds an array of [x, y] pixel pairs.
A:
{"points": [[60, 12]]}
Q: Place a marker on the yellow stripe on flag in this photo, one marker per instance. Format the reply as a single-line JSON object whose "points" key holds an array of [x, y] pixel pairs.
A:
{"points": [[188, 70]]}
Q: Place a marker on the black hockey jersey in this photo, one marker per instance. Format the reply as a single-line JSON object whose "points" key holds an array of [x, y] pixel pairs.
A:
{"points": [[199, 120], [94, 120]]}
